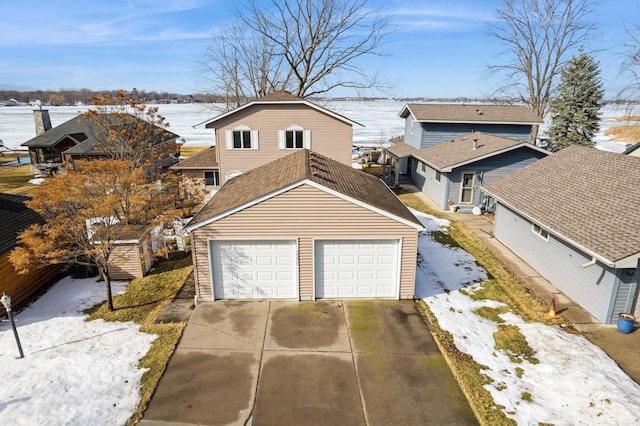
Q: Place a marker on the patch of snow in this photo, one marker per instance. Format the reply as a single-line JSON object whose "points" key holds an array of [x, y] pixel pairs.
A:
{"points": [[74, 372], [36, 181], [574, 383]]}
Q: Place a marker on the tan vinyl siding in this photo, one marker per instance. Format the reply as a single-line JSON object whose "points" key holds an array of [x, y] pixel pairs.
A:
{"points": [[305, 213], [329, 136]]}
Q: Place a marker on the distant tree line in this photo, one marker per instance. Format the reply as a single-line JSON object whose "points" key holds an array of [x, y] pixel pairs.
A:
{"points": [[76, 96]]}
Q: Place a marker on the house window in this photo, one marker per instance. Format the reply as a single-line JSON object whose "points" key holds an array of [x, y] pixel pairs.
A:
{"points": [[411, 125], [241, 139], [437, 176], [294, 139], [212, 178], [541, 232], [422, 168]]}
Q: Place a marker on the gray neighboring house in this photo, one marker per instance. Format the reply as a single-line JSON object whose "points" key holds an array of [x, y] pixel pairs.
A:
{"points": [[430, 124], [455, 170], [573, 217], [505, 131]]}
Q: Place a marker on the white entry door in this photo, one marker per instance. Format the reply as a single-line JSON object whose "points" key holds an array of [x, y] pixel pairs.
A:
{"points": [[357, 268], [254, 269]]}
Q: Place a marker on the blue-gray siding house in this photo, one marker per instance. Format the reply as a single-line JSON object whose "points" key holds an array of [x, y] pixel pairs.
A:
{"points": [[573, 217], [430, 124], [454, 170]]}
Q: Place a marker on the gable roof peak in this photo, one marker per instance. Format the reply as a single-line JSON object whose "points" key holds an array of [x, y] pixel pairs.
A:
{"points": [[278, 96]]}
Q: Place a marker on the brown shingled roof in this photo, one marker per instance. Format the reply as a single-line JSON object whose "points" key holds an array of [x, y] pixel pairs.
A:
{"points": [[279, 96], [583, 195], [297, 168], [200, 160], [399, 149], [447, 155], [464, 113], [274, 98]]}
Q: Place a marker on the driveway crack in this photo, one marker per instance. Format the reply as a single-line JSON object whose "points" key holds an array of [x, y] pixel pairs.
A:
{"points": [[249, 419], [355, 364]]}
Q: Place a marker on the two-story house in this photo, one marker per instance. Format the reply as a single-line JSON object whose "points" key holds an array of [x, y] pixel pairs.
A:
{"points": [[274, 126], [450, 150], [282, 224]]}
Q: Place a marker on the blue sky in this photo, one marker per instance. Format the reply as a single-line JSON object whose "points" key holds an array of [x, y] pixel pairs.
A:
{"points": [[439, 49]]}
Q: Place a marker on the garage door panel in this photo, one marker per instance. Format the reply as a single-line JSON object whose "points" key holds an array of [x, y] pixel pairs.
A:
{"points": [[254, 269], [364, 268]]}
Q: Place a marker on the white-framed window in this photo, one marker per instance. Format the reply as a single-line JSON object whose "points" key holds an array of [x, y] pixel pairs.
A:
{"points": [[437, 176], [539, 231], [241, 137], [294, 137], [212, 178], [422, 168], [411, 126]]}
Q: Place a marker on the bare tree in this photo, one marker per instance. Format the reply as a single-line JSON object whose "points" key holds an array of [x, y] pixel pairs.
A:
{"points": [[539, 37], [307, 47], [630, 69]]}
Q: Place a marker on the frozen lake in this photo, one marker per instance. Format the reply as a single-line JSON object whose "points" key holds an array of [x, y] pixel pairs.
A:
{"points": [[380, 120]]}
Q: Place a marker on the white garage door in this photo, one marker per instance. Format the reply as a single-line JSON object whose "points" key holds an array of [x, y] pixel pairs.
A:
{"points": [[256, 269], [356, 268]]}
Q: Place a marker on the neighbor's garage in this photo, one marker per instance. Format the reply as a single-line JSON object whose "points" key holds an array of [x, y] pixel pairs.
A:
{"points": [[254, 269], [356, 268]]}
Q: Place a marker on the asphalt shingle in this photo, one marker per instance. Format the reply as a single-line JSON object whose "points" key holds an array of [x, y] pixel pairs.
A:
{"points": [[584, 195], [294, 168], [465, 113], [205, 158]]}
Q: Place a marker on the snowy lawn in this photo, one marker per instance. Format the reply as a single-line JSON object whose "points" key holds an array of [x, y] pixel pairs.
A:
{"points": [[574, 381], [73, 372]]}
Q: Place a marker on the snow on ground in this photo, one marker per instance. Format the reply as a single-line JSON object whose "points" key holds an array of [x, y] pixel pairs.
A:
{"points": [[85, 373], [574, 383], [74, 372]]}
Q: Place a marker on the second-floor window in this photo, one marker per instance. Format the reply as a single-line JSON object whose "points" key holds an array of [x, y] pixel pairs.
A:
{"points": [[242, 137], [294, 137]]}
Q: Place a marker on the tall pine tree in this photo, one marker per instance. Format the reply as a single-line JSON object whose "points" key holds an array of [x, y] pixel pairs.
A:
{"points": [[575, 112]]}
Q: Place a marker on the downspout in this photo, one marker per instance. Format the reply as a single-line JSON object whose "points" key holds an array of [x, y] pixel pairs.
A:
{"points": [[589, 263]]}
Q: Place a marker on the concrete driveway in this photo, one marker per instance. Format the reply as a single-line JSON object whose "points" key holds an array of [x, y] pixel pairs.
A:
{"points": [[307, 363]]}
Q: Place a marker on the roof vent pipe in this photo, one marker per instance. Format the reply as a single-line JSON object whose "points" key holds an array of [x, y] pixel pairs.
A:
{"points": [[475, 144]]}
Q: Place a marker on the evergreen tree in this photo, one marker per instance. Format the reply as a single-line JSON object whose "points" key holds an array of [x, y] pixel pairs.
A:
{"points": [[575, 112]]}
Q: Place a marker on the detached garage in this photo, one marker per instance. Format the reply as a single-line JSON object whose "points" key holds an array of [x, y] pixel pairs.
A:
{"points": [[304, 227]]}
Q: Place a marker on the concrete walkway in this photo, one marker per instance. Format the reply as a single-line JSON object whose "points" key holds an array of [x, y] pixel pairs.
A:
{"points": [[307, 363], [622, 348]]}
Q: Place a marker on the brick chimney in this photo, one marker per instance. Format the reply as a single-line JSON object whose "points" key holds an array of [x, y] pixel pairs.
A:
{"points": [[43, 122]]}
